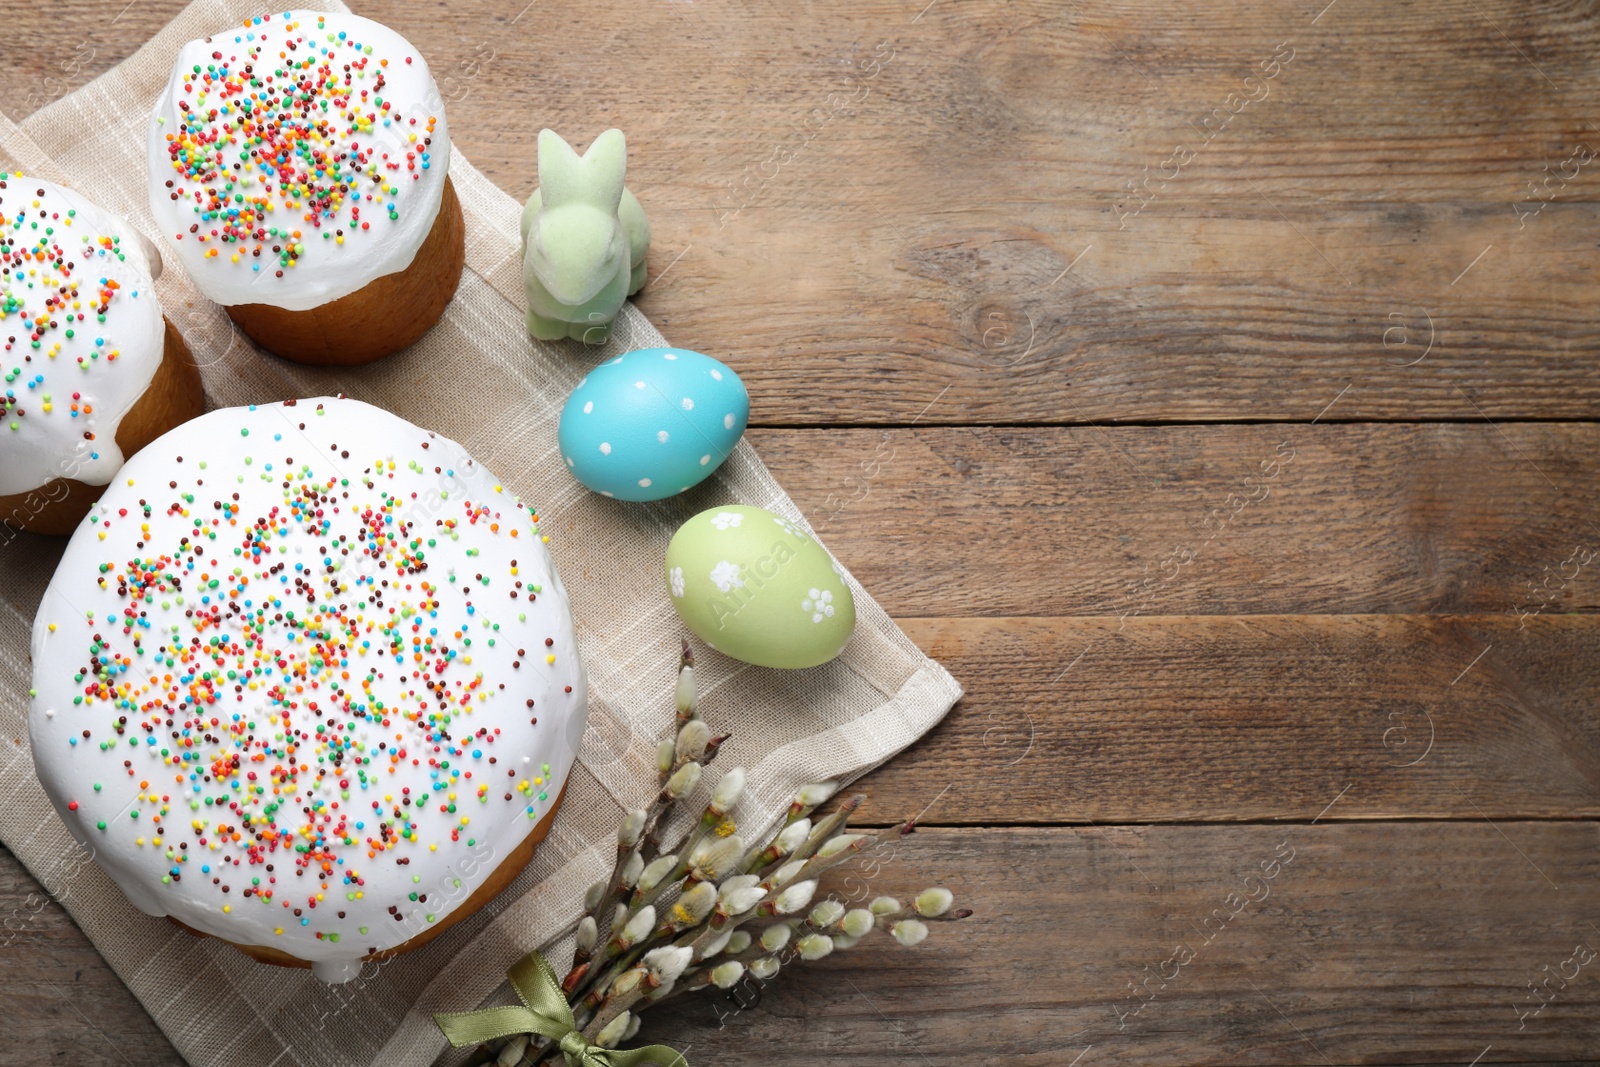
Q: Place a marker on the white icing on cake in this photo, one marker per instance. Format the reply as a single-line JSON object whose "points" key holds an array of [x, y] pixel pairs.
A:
{"points": [[383, 117], [81, 334], [303, 712]]}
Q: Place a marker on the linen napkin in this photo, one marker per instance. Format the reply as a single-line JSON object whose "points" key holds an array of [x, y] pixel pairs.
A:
{"points": [[477, 378]]}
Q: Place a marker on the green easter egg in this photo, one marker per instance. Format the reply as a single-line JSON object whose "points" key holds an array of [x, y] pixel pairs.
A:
{"points": [[756, 587]]}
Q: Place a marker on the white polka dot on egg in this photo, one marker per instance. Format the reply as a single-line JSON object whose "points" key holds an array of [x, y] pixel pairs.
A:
{"points": [[644, 483], [662, 436], [605, 448], [688, 405], [588, 409], [727, 421]]}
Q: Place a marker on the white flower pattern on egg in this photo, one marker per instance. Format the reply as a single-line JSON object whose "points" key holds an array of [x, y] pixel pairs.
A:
{"points": [[724, 519], [676, 577], [819, 603], [725, 576], [790, 528]]}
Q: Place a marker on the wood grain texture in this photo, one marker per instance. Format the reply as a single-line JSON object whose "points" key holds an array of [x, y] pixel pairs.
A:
{"points": [[62, 1002], [1201, 520], [949, 247], [938, 175], [1376, 944], [1154, 719]]}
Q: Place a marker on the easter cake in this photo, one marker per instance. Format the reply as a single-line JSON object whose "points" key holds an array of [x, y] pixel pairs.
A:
{"points": [[299, 167], [306, 680], [93, 371]]}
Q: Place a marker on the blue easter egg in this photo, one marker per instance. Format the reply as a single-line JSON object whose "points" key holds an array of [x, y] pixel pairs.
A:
{"points": [[652, 423]]}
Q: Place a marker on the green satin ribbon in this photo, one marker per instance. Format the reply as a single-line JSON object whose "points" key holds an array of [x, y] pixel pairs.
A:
{"points": [[545, 1012]]}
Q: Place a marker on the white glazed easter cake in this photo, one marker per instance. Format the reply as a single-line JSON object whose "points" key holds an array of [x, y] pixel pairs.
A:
{"points": [[306, 680], [92, 370], [83, 333], [299, 169], [297, 158]]}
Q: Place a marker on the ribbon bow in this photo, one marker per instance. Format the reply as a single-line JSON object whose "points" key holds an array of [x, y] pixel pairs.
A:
{"points": [[545, 1012]]}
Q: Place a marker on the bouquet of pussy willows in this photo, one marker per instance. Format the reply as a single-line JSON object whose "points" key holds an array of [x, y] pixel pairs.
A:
{"points": [[697, 909]]}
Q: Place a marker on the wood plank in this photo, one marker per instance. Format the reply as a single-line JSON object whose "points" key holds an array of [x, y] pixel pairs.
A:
{"points": [[1351, 519], [1413, 104], [1348, 249], [63, 1003], [1377, 943], [1092, 521], [1095, 521], [1254, 718], [938, 175]]}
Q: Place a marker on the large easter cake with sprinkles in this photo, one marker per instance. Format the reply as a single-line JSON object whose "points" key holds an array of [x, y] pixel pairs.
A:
{"points": [[299, 167], [306, 680], [93, 371]]}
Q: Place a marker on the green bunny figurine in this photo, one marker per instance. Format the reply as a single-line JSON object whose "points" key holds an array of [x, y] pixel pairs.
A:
{"points": [[584, 239]]}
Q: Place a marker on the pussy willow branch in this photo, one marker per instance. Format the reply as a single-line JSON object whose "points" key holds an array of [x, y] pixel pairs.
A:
{"points": [[630, 958]]}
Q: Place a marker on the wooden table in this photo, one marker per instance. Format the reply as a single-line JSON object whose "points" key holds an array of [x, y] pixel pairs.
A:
{"points": [[1212, 388]]}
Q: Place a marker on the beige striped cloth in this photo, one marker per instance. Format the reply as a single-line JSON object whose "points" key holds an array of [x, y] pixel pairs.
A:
{"points": [[478, 378]]}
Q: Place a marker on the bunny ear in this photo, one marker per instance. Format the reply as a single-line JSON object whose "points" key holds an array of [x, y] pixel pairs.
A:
{"points": [[560, 170], [605, 165]]}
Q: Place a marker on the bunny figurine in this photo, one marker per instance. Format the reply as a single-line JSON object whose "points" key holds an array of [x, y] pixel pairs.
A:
{"points": [[584, 239]]}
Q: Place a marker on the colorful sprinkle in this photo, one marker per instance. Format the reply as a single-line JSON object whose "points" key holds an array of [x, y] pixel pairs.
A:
{"points": [[287, 677], [275, 143]]}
